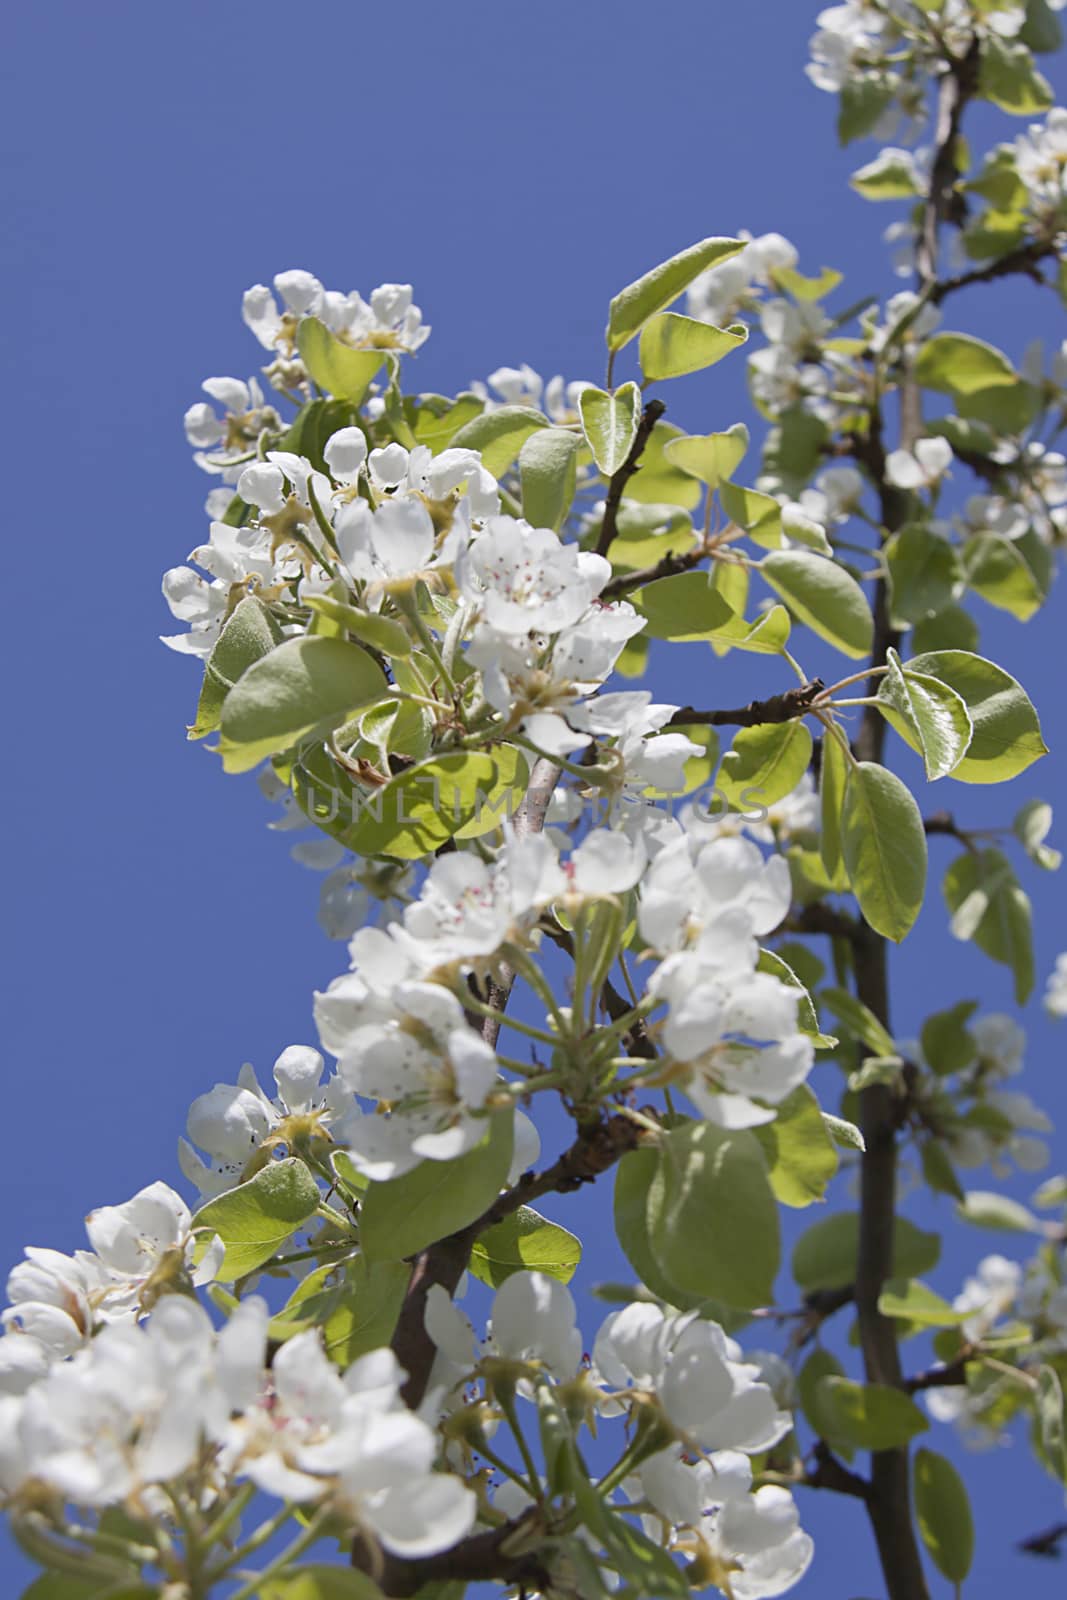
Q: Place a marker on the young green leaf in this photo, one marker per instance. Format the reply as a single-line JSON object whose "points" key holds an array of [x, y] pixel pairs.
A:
{"points": [[859, 1019], [369, 627], [248, 634], [400, 1217], [833, 779], [712, 1216], [672, 345], [800, 1154], [319, 1582], [499, 435], [684, 606], [936, 715], [989, 906], [525, 1242], [609, 423], [632, 306], [943, 1511], [821, 594], [304, 683], [871, 1416], [548, 473], [924, 574], [764, 763], [884, 848], [1007, 735], [985, 1208], [255, 1219], [824, 1257], [711, 457], [957, 364], [343, 372]]}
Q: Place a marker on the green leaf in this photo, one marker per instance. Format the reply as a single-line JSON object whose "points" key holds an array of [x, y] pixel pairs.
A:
{"points": [[821, 594], [436, 424], [634, 305], [988, 906], [1009, 79], [948, 1045], [909, 1300], [657, 480], [525, 1242], [400, 1217], [806, 289], [774, 962], [499, 435], [712, 1216], [938, 1171], [609, 422], [890, 176], [884, 848], [548, 473], [1007, 735], [711, 457], [944, 1514], [304, 683], [684, 606], [833, 778], [366, 1311], [319, 1582], [343, 372], [936, 715], [1051, 1424], [1041, 31], [1031, 828], [845, 1134], [800, 1154], [251, 632], [820, 1415], [633, 1180], [872, 1416], [824, 1256], [957, 364], [672, 345], [768, 635], [370, 627], [764, 763], [951, 628], [859, 1019], [461, 795], [861, 103], [986, 1208], [998, 570], [257, 1217], [759, 514], [924, 573]]}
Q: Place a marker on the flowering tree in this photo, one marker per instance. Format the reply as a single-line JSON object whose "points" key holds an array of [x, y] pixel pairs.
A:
{"points": [[564, 907]]}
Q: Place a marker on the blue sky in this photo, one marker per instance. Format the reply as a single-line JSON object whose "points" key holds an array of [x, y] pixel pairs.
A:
{"points": [[518, 165]]}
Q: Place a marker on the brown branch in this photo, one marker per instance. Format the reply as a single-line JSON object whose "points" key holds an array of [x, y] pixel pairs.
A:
{"points": [[481, 1558], [951, 1375], [1021, 262], [778, 708], [830, 1473], [654, 409], [598, 1146], [1047, 1543], [666, 567], [819, 918]]}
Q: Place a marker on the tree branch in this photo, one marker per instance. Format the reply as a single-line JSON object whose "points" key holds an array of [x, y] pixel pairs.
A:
{"points": [[654, 409], [778, 708], [666, 567], [1047, 1543], [830, 1473], [1022, 262], [480, 1558]]}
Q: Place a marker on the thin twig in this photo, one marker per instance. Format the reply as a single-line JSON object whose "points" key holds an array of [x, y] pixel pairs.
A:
{"points": [[651, 414], [778, 708]]}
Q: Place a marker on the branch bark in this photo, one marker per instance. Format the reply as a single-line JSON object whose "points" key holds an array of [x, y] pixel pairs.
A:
{"points": [[778, 708], [889, 1504], [617, 484]]}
